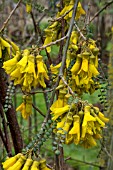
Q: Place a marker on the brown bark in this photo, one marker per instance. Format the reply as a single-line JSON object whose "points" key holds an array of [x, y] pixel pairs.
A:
{"points": [[5, 138], [11, 116]]}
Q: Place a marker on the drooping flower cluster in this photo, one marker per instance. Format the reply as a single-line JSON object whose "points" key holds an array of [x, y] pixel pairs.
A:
{"points": [[27, 70], [53, 32], [21, 162], [80, 121], [81, 65], [26, 107]]}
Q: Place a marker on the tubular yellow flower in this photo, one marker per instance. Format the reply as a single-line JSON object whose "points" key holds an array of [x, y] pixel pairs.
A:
{"points": [[35, 165], [18, 164], [43, 165], [23, 63], [4, 43], [10, 65], [76, 67], [68, 122], [92, 69], [41, 71], [87, 118], [11, 161], [26, 107], [60, 111], [102, 117], [55, 69], [63, 120], [48, 39], [27, 164], [31, 66]]}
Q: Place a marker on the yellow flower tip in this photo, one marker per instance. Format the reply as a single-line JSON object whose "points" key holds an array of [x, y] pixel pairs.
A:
{"points": [[43, 165], [112, 28], [28, 8], [27, 164], [35, 165], [103, 118]]}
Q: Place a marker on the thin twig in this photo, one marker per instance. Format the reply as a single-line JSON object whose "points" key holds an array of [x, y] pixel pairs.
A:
{"points": [[84, 162], [98, 12], [53, 43], [78, 29], [69, 88], [45, 91], [36, 108], [34, 22], [9, 17]]}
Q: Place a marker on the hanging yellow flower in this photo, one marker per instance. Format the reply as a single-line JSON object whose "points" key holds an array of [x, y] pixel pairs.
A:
{"points": [[26, 107], [41, 71]]}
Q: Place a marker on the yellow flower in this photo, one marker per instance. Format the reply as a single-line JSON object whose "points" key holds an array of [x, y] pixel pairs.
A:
{"points": [[10, 65], [41, 71], [68, 122], [26, 107], [60, 111], [11, 161], [19, 163], [55, 69], [76, 129], [28, 8], [87, 118], [48, 39], [62, 122], [102, 117], [43, 165], [31, 66], [92, 70], [27, 164], [35, 165], [76, 67]]}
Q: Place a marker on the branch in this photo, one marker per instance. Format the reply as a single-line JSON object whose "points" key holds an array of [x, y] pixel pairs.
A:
{"points": [[9, 17], [78, 29], [98, 12], [68, 38], [63, 60], [45, 91], [38, 110], [69, 88], [34, 22], [84, 162], [53, 43], [7, 143]]}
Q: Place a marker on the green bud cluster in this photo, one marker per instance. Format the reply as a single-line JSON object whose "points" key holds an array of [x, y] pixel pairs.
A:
{"points": [[59, 139], [8, 97], [41, 137], [103, 85]]}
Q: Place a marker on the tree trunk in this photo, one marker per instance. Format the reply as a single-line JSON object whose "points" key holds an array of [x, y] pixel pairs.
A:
{"points": [[10, 115]]}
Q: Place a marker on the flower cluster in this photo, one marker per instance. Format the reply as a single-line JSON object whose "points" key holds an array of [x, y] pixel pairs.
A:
{"points": [[26, 70], [21, 162], [81, 66], [80, 121], [53, 32]]}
